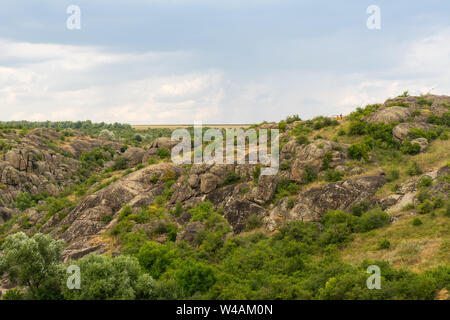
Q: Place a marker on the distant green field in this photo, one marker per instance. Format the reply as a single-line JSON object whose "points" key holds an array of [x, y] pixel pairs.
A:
{"points": [[174, 126]]}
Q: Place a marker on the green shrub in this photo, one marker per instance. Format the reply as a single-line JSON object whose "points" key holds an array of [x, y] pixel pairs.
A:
{"points": [[163, 153], [414, 169], [420, 133], [193, 277], [359, 208], [202, 211], [326, 160], [424, 102], [256, 173], [156, 258], [416, 222], [333, 175], [309, 175], [398, 104], [384, 244], [293, 118], [425, 207], [285, 165], [231, 178], [13, 294], [282, 125], [358, 151], [372, 219], [24, 201], [447, 211], [125, 212], [291, 203], [106, 278], [443, 136], [119, 164], [302, 140], [425, 182], [410, 148]]}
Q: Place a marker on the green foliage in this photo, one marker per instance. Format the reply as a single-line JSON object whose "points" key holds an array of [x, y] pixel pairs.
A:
{"points": [[302, 140], [359, 208], [425, 207], [193, 277], [410, 148], [286, 187], [424, 102], [33, 262], [232, 178], [202, 211], [163, 153], [24, 201], [256, 173], [106, 278], [358, 151], [13, 294], [156, 258], [326, 160], [425, 182], [309, 175], [398, 104], [282, 125], [420, 133], [385, 244], [119, 163], [293, 118], [417, 222], [443, 136], [372, 219], [443, 120], [125, 212], [447, 211], [333, 175], [300, 130], [363, 112], [285, 165], [414, 169]]}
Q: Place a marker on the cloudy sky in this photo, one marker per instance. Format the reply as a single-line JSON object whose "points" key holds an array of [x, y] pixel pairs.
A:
{"points": [[216, 61]]}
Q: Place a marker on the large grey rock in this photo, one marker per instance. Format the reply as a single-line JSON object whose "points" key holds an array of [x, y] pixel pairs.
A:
{"points": [[314, 202], [401, 131], [237, 212], [389, 115], [134, 156]]}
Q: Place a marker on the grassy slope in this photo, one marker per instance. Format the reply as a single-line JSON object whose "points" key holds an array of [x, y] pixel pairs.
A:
{"points": [[416, 248]]}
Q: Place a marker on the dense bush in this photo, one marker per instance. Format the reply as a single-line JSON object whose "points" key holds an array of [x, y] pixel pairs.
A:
{"points": [[410, 148], [106, 278], [358, 151]]}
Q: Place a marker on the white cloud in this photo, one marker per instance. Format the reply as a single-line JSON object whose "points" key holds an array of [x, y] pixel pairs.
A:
{"points": [[60, 82]]}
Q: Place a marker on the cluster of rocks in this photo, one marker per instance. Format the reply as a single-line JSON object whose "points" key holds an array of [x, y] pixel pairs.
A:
{"points": [[410, 114]]}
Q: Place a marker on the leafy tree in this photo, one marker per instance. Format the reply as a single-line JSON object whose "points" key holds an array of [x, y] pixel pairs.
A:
{"points": [[156, 258], [104, 278], [25, 201], [193, 277], [35, 263]]}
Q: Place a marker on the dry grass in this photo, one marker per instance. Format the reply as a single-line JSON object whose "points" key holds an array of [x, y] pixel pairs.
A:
{"points": [[416, 248]]}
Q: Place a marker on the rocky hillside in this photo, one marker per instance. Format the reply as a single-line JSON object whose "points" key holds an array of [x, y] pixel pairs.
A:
{"points": [[383, 166]]}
